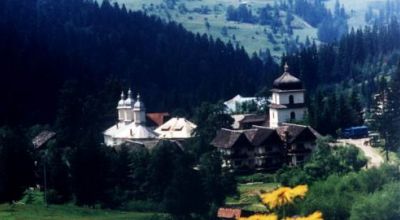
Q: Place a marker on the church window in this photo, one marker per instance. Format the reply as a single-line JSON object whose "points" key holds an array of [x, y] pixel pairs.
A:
{"points": [[292, 116], [291, 99]]}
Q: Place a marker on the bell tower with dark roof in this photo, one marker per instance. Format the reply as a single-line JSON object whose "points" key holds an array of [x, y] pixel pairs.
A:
{"points": [[287, 104]]}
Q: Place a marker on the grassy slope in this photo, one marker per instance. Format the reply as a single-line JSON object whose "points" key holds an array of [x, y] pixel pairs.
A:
{"points": [[248, 198], [251, 36], [66, 212], [356, 8]]}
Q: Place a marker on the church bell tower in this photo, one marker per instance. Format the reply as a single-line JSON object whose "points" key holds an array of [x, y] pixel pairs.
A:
{"points": [[288, 102]]}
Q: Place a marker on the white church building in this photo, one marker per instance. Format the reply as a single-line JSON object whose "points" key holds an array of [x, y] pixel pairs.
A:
{"points": [[132, 127], [287, 101], [131, 122]]}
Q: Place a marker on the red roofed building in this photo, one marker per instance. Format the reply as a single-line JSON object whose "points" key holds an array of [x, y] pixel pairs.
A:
{"points": [[229, 213]]}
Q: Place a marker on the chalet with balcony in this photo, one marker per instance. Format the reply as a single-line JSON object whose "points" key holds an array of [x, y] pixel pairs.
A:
{"points": [[263, 148]]}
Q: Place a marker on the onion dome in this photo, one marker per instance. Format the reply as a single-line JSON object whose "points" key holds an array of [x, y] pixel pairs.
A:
{"points": [[122, 101], [129, 101], [138, 104], [287, 81]]}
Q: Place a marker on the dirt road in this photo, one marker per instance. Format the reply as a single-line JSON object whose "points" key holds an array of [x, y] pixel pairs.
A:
{"points": [[374, 158]]}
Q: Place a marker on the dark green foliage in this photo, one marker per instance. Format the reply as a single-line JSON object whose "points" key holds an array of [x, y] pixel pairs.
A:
{"points": [[240, 14], [209, 119], [161, 169], [312, 12], [336, 196], [184, 194], [382, 204], [58, 179], [16, 164], [339, 109], [89, 171], [55, 42], [386, 112], [325, 161], [216, 183]]}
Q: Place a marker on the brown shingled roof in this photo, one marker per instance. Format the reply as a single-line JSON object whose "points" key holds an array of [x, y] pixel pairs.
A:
{"points": [[227, 138], [260, 135], [291, 132], [263, 135], [229, 213], [253, 118]]}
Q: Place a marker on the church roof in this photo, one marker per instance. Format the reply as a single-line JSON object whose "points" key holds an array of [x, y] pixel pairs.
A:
{"points": [[287, 81], [176, 128], [130, 131]]}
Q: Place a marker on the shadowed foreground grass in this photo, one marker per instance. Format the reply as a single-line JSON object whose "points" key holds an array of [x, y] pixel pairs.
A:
{"points": [[69, 212], [249, 196]]}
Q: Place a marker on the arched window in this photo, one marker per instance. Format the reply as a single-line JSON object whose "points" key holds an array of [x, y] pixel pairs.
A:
{"points": [[292, 116], [291, 99]]}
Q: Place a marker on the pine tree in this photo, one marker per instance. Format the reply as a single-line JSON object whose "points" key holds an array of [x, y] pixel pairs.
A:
{"points": [[386, 118]]}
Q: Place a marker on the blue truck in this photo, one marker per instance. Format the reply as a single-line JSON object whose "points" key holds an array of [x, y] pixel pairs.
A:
{"points": [[355, 132]]}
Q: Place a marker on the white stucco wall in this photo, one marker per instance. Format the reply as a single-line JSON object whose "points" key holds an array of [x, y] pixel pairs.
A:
{"points": [[128, 115], [277, 116], [283, 98]]}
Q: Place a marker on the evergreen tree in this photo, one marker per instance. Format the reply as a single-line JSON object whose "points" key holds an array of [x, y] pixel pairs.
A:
{"points": [[387, 112], [16, 164]]}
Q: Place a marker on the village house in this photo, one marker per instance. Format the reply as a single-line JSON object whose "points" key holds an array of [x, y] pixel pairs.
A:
{"points": [[267, 143]]}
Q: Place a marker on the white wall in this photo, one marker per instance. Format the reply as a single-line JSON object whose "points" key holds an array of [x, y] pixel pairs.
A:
{"points": [[283, 98], [128, 115], [277, 116]]}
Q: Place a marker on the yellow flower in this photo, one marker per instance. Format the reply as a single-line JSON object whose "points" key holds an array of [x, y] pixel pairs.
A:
{"points": [[261, 217], [315, 216], [283, 196], [299, 191], [277, 197]]}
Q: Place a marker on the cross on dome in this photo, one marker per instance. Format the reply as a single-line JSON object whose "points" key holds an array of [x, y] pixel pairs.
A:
{"points": [[286, 67]]}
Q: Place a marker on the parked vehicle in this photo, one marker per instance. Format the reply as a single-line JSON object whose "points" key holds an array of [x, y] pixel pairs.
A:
{"points": [[355, 132]]}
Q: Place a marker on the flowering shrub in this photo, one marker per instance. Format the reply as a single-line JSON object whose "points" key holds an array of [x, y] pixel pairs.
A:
{"points": [[281, 197]]}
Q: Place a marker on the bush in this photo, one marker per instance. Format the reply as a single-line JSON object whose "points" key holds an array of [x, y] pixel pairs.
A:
{"points": [[341, 196], [141, 206], [382, 204], [33, 197], [257, 177], [325, 161]]}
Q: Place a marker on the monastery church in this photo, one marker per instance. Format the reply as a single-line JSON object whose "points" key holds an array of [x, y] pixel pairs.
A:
{"points": [[277, 139], [132, 126]]}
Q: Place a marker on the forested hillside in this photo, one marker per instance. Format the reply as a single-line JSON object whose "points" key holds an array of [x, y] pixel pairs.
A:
{"points": [[80, 53], [348, 74]]}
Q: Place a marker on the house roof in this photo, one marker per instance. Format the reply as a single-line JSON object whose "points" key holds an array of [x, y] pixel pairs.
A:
{"points": [[260, 135], [42, 138], [292, 132], [176, 128], [254, 118], [230, 213], [157, 118], [263, 135], [227, 138]]}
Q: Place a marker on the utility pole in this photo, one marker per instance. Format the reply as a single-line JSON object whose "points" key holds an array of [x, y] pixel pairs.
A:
{"points": [[45, 177]]}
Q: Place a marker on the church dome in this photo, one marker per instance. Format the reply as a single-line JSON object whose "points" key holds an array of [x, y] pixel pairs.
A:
{"points": [[138, 104], [129, 101], [122, 101], [287, 81]]}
